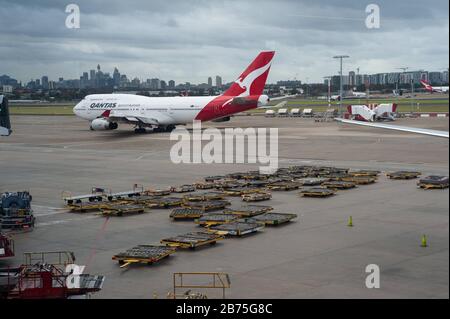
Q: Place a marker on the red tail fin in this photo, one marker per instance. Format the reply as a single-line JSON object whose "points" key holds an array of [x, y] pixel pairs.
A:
{"points": [[427, 85], [253, 79]]}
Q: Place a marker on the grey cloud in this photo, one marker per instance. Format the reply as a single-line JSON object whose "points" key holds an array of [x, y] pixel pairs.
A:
{"points": [[190, 40]]}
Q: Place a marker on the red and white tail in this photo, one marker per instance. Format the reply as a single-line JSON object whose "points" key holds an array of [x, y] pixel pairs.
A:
{"points": [[253, 79], [244, 94], [427, 85]]}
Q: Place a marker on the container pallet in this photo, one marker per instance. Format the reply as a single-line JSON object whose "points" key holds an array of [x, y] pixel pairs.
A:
{"points": [[145, 254], [213, 178], [207, 205], [239, 191], [192, 240], [359, 180], [434, 182], [317, 192], [186, 213], [273, 218], [215, 219], [403, 175], [204, 185], [339, 185], [164, 202], [157, 192], [283, 186], [122, 209], [183, 189], [248, 210], [238, 228], [201, 197], [364, 172], [82, 207], [312, 181], [256, 197]]}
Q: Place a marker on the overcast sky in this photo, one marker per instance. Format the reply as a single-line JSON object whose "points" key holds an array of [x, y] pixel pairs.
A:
{"points": [[191, 40]]}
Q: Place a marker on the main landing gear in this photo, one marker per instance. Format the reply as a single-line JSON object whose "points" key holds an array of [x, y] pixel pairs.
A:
{"points": [[157, 129]]}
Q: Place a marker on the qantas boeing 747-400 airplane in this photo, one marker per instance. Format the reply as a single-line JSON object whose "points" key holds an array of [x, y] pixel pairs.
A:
{"points": [[106, 111]]}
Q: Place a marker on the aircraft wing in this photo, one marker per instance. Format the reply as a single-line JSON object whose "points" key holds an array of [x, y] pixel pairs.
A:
{"points": [[277, 106], [281, 97], [397, 128], [150, 118]]}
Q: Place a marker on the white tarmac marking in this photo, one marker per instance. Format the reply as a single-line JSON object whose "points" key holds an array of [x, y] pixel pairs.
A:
{"points": [[64, 221]]}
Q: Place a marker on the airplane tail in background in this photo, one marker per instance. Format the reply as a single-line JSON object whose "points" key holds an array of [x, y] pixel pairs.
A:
{"points": [[253, 79], [427, 85]]}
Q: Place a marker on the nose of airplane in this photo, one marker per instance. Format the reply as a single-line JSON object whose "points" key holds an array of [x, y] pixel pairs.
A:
{"points": [[77, 109]]}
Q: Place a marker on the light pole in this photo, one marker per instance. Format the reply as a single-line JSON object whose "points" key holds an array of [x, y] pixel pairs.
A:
{"points": [[341, 86], [328, 78]]}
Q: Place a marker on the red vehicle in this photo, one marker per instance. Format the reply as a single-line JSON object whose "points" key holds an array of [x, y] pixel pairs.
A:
{"points": [[6, 246]]}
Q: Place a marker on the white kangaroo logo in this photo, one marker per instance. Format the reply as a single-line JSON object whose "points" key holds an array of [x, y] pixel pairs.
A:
{"points": [[246, 82]]}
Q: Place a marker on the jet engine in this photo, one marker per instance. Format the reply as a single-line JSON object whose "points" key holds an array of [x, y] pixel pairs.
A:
{"points": [[103, 125], [222, 119]]}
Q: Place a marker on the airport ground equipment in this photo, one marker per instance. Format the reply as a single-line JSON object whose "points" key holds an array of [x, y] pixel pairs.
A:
{"points": [[272, 218], [201, 197], [295, 112], [5, 123], [15, 211], [434, 182], [192, 240], [248, 210], [270, 113], [157, 192], [283, 113], [312, 181], [144, 254], [207, 205], [317, 192], [283, 186], [256, 197], [208, 220], [137, 190], [364, 173], [403, 175], [164, 202], [6, 246], [239, 191], [183, 189], [41, 278], [339, 185], [308, 113], [359, 180], [97, 194], [213, 178], [204, 185], [122, 209], [198, 280], [238, 228], [186, 213]]}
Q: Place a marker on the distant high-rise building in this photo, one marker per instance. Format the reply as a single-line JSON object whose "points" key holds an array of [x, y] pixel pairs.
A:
{"points": [[171, 84], [116, 77], [218, 81], [445, 77], [163, 85], [435, 78], [210, 82], [155, 84], [44, 80], [352, 78]]}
